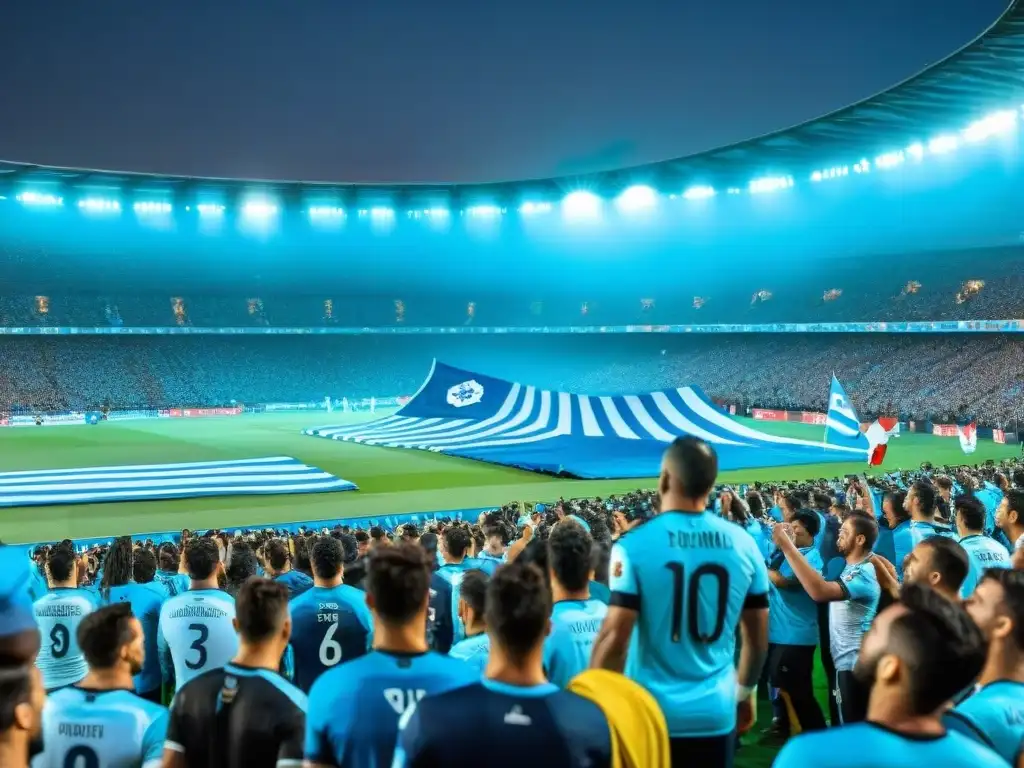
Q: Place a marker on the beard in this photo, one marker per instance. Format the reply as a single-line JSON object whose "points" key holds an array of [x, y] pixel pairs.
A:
{"points": [[865, 671]]}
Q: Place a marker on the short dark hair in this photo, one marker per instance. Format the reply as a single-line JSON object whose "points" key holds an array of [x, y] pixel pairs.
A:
{"points": [[808, 519], [943, 482], [474, 590], [201, 557], [569, 547], [242, 565], [943, 648], [970, 509], [518, 607], [864, 525], [899, 499], [398, 579], [277, 554], [103, 633], [949, 559], [1012, 582], [168, 556], [144, 566], [327, 557], [377, 533], [429, 543], [456, 540], [61, 563], [349, 547], [1015, 502], [361, 536], [15, 689], [926, 495], [694, 465], [261, 607]]}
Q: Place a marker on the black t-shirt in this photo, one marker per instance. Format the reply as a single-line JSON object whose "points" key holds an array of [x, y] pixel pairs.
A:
{"points": [[238, 717]]}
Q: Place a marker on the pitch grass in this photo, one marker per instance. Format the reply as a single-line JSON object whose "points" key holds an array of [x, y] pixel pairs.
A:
{"points": [[391, 481]]}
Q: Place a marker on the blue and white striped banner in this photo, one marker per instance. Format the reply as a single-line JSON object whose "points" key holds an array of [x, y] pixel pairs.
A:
{"points": [[141, 482]]}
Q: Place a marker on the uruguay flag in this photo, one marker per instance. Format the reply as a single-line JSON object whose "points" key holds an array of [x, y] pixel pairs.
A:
{"points": [[842, 427]]}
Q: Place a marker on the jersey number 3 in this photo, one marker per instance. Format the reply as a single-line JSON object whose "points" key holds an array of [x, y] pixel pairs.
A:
{"points": [[199, 644], [692, 590]]}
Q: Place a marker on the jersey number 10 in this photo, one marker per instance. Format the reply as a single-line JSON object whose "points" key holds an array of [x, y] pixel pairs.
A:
{"points": [[692, 588]]}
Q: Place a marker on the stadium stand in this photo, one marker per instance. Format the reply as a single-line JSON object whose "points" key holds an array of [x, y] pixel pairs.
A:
{"points": [[937, 377]]}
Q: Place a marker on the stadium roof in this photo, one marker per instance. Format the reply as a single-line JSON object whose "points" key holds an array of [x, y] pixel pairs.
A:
{"points": [[985, 75]]}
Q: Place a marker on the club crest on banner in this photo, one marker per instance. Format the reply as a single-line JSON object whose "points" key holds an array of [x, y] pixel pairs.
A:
{"points": [[467, 393]]}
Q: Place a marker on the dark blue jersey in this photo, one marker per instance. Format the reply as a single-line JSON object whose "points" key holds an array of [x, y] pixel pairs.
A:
{"points": [[505, 725], [329, 625], [354, 709], [444, 627]]}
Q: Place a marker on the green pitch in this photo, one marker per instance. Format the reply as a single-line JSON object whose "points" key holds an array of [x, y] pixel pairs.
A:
{"points": [[391, 481]]}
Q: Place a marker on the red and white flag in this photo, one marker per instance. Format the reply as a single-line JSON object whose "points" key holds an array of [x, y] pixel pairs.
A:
{"points": [[878, 439], [968, 437]]}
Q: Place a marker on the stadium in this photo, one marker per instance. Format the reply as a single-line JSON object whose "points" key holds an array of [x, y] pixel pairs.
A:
{"points": [[206, 353]]}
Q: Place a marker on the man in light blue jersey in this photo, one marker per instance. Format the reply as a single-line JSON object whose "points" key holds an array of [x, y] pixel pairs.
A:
{"points": [[682, 583], [1010, 518], [330, 622], [940, 563], [475, 647], [994, 713], [100, 721], [896, 514], [492, 554], [852, 599], [169, 563], [921, 504], [354, 709], [196, 630], [983, 552], [793, 633], [919, 653], [444, 626], [118, 585], [513, 716], [58, 614], [278, 561], [576, 618]]}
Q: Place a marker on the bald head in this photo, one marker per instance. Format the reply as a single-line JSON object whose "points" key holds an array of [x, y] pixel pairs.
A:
{"points": [[688, 469]]}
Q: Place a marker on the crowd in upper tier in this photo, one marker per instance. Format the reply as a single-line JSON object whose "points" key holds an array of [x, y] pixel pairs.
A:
{"points": [[942, 377]]}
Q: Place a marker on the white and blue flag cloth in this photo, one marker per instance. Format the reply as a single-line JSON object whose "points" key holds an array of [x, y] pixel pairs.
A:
{"points": [[472, 415], [842, 427], [140, 482]]}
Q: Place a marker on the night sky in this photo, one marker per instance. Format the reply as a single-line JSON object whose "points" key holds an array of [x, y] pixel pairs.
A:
{"points": [[456, 90]]}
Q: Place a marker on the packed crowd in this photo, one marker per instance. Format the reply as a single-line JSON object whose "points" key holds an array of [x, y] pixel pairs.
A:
{"points": [[943, 378], [352, 647]]}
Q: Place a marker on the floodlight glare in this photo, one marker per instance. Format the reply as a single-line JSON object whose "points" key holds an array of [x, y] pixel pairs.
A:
{"points": [[581, 204], [770, 184], [529, 208], [990, 125], [940, 145], [326, 212], [151, 207], [99, 205], [483, 210], [210, 209], [699, 192], [637, 198], [382, 213], [39, 198], [259, 209]]}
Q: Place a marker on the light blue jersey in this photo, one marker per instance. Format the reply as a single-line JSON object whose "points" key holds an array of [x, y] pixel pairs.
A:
{"points": [[196, 634], [994, 716], [175, 583], [902, 543], [444, 627], [850, 618], [866, 745], [112, 729], [919, 531], [689, 576], [474, 650], [792, 614], [146, 600], [982, 553], [58, 615], [574, 628]]}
